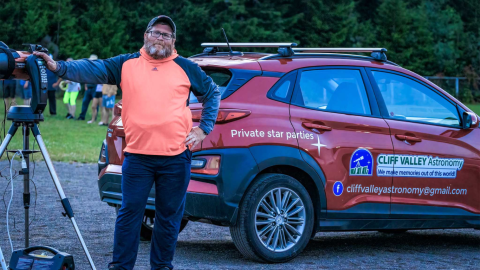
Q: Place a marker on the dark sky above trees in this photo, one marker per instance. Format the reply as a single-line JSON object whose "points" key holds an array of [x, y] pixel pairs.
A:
{"points": [[430, 37]]}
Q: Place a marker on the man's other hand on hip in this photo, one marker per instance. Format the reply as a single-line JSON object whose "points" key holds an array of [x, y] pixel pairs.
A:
{"points": [[195, 137]]}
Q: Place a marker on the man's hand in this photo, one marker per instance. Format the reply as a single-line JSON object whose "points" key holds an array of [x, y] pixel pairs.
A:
{"points": [[195, 137], [51, 64]]}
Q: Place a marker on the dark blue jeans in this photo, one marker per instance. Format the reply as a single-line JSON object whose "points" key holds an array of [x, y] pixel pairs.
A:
{"points": [[171, 175], [89, 94]]}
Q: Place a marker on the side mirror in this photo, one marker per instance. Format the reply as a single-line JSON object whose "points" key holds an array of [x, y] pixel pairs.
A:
{"points": [[469, 120]]}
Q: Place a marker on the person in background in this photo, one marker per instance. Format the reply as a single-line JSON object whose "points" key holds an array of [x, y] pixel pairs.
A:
{"points": [[89, 94], [9, 87], [70, 97], [97, 100], [27, 92], [53, 82], [108, 101]]}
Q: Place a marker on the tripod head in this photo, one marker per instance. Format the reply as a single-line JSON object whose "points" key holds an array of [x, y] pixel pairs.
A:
{"points": [[23, 65]]}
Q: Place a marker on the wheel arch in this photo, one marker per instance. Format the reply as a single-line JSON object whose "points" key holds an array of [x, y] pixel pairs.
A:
{"points": [[290, 161]]}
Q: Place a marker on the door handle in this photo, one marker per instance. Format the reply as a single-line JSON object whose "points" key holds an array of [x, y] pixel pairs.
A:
{"points": [[407, 138], [316, 126], [412, 139]]}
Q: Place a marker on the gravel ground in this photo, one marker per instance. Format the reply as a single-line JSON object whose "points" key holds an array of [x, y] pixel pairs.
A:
{"points": [[203, 246]]}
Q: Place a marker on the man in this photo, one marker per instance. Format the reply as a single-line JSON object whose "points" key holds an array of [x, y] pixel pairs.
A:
{"points": [[27, 92], [89, 94], [108, 102], [9, 87], [70, 96], [156, 83]]}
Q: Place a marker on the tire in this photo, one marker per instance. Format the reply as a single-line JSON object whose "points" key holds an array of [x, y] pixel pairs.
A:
{"points": [[147, 224], [258, 241], [393, 231]]}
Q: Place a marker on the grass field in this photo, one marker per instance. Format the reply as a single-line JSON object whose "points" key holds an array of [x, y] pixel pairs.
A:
{"points": [[474, 107], [72, 140], [66, 140]]}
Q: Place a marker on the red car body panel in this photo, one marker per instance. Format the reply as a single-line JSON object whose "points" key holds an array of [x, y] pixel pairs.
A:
{"points": [[443, 142], [228, 63], [349, 132], [267, 124]]}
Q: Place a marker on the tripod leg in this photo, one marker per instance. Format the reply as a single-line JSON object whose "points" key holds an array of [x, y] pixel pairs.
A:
{"points": [[8, 138], [56, 181], [2, 261], [26, 183]]}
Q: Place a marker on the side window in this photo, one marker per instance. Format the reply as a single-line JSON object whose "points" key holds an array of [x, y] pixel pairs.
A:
{"points": [[335, 90], [409, 100], [282, 90]]}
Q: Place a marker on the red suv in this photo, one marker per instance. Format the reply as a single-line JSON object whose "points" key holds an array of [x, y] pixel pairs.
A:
{"points": [[311, 140]]}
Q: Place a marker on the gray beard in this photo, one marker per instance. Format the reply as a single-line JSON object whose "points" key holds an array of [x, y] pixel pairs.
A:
{"points": [[155, 53]]}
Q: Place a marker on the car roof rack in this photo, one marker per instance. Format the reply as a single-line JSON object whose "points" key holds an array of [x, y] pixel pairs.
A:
{"points": [[284, 48], [288, 49], [378, 54]]}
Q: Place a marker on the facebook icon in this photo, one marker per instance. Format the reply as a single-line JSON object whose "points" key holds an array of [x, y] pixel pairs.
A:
{"points": [[338, 188]]}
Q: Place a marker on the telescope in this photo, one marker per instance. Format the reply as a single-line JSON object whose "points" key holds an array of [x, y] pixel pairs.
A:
{"points": [[358, 159], [23, 65]]}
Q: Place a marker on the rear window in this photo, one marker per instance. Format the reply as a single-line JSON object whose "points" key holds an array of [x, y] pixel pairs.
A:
{"points": [[220, 77]]}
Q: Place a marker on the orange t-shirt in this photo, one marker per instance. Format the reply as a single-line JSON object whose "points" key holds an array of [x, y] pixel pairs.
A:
{"points": [[155, 112], [155, 115]]}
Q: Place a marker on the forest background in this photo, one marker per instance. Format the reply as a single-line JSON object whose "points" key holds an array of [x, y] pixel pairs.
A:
{"points": [[429, 37]]}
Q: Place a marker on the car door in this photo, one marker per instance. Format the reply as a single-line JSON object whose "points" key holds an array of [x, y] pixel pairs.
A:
{"points": [[337, 122], [435, 164]]}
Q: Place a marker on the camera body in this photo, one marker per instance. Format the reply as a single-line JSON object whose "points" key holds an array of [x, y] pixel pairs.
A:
{"points": [[23, 65]]}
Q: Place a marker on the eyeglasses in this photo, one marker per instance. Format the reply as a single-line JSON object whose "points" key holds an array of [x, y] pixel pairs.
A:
{"points": [[157, 34]]}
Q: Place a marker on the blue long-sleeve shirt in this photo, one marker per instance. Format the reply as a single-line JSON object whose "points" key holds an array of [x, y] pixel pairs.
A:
{"points": [[155, 115]]}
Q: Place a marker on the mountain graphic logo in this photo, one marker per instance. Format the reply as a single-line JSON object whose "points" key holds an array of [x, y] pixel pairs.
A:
{"points": [[155, 69]]}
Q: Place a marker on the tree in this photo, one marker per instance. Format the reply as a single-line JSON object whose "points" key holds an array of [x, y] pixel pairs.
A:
{"points": [[393, 25], [103, 29]]}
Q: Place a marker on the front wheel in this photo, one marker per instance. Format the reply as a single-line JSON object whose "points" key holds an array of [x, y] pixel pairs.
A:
{"points": [[275, 220]]}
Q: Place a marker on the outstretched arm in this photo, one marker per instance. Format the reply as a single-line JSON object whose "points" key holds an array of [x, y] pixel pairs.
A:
{"points": [[106, 71]]}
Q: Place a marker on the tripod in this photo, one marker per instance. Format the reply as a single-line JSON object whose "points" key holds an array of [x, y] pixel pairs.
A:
{"points": [[2, 261], [22, 116]]}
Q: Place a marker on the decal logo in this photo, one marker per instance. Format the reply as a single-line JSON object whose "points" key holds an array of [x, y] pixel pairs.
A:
{"points": [[361, 163], [155, 69], [338, 188], [270, 134], [318, 145], [418, 166]]}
